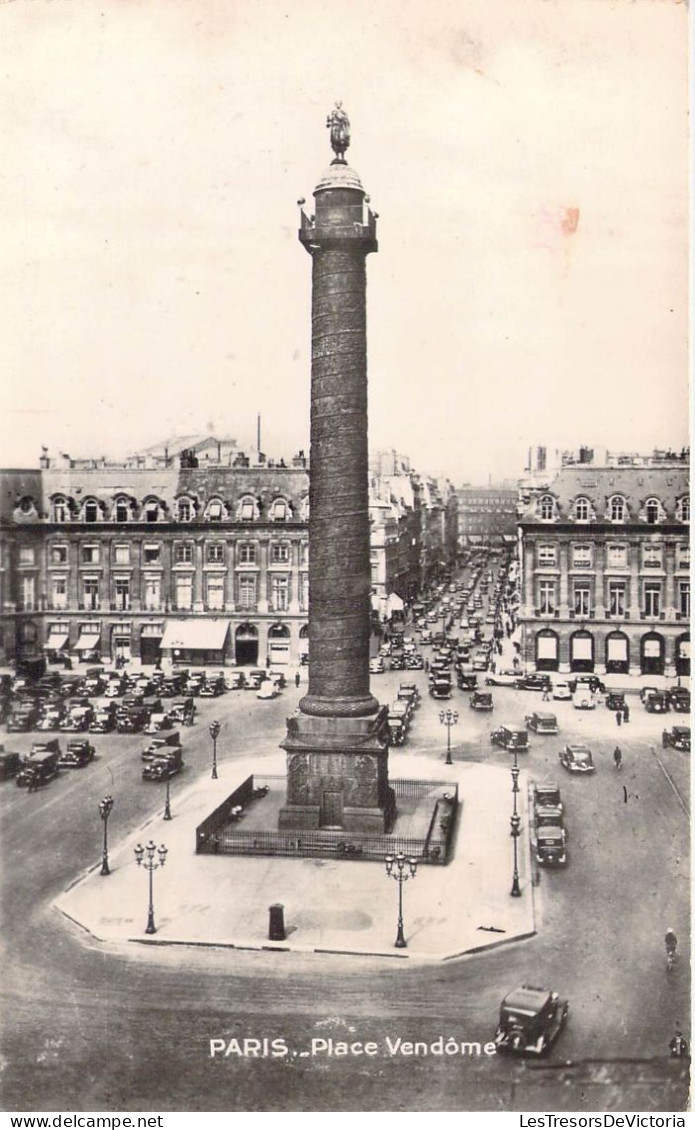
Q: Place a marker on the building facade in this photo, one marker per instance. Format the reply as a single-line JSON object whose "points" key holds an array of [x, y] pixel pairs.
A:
{"points": [[605, 568], [486, 515]]}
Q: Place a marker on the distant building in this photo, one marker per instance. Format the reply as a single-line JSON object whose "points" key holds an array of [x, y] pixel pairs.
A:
{"points": [[486, 515], [605, 565]]}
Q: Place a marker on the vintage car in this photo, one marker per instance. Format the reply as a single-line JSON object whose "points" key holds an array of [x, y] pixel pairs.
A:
{"points": [[104, 719], [587, 683], [235, 680], [549, 816], [584, 700], [77, 754], [551, 850], [212, 687], [481, 700], [561, 691], [162, 745], [533, 682], [657, 703], [615, 700], [377, 665], [679, 699], [646, 692], [398, 730], [402, 709], [414, 662], [397, 663], [480, 661], [678, 737], [267, 690], [501, 679], [182, 710], [23, 716], [157, 722], [510, 737], [542, 722], [577, 759], [531, 1019], [163, 766], [425, 636], [440, 686], [546, 794], [9, 763], [51, 718], [115, 686], [466, 682], [78, 719], [408, 692], [39, 766]]}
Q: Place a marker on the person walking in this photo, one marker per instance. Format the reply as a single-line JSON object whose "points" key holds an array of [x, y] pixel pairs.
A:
{"points": [[297, 679], [626, 713], [619, 717]]}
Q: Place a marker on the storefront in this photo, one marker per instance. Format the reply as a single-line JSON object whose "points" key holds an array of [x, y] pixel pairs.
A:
{"points": [[150, 643], [56, 645], [547, 650], [617, 654], [198, 642], [88, 646], [683, 656], [304, 644], [652, 654], [581, 651], [246, 646], [279, 645], [120, 644]]}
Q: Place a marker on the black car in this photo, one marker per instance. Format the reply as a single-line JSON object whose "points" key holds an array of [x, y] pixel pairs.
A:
{"points": [[533, 682], [466, 682], [587, 682], [481, 700], [78, 753], [615, 700], [531, 1019], [679, 699], [678, 737]]}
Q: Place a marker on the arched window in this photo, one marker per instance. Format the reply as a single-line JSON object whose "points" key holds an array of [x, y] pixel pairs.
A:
{"points": [[582, 510], [617, 509], [651, 511], [121, 510], [61, 510], [247, 510], [185, 510], [215, 510], [546, 508], [90, 511], [279, 511], [683, 508], [151, 510]]}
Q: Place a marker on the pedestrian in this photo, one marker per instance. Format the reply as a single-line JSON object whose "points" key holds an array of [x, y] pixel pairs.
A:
{"points": [[267, 661], [427, 665], [626, 713], [619, 717], [546, 694], [297, 679]]}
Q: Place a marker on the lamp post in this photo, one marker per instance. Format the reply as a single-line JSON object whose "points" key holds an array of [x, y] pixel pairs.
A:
{"points": [[214, 734], [151, 866], [105, 807], [515, 822], [448, 718], [395, 869]]}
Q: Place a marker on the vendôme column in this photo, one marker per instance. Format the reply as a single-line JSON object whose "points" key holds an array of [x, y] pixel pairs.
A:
{"points": [[337, 744]]}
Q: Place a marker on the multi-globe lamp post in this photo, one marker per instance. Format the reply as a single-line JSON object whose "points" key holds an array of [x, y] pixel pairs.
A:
{"points": [[105, 807], [396, 869], [448, 718], [516, 823], [145, 857], [214, 734]]}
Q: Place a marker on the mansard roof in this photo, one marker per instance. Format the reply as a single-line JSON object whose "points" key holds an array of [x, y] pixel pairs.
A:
{"points": [[599, 485]]}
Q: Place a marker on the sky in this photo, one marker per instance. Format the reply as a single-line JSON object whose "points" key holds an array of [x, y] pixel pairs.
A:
{"points": [[528, 162]]}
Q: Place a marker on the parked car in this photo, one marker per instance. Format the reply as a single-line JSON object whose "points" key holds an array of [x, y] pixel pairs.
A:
{"points": [[401, 709], [211, 688], [115, 686], [549, 816], [531, 1019], [590, 682], [678, 737], [183, 711], [440, 686], [78, 719], [235, 680], [533, 682], [163, 766], [158, 722], [267, 690], [646, 692], [510, 737], [657, 703], [414, 662], [426, 636], [104, 719], [679, 699], [480, 661], [466, 682], [397, 663], [377, 665], [51, 718], [501, 679], [9, 763], [577, 759], [160, 745], [551, 849], [584, 700], [546, 794], [561, 691], [23, 717], [481, 700], [78, 753], [615, 700], [408, 690], [397, 730], [542, 722], [40, 766]]}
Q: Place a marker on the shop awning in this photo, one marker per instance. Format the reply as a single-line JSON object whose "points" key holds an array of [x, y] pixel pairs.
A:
{"points": [[195, 635], [394, 602], [88, 642], [56, 641]]}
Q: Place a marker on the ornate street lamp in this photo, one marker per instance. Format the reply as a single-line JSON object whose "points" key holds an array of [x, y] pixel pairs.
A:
{"points": [[151, 866], [105, 807], [515, 822], [395, 869], [448, 718], [214, 734]]}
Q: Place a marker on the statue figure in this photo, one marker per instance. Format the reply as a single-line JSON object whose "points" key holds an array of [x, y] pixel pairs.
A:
{"points": [[340, 132]]}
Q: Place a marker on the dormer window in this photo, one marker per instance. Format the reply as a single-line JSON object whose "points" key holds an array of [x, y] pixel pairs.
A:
{"points": [[651, 511], [582, 510], [26, 506], [122, 510], [247, 509], [151, 510], [279, 511], [683, 509], [546, 508], [61, 511], [91, 510], [215, 511], [304, 508], [617, 509], [184, 510]]}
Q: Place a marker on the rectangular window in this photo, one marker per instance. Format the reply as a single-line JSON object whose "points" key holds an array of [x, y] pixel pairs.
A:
{"points": [[151, 554], [214, 589], [582, 599], [59, 592], [215, 511], [247, 591], [183, 553], [89, 554], [304, 591], [59, 555], [547, 555], [582, 556], [546, 598], [280, 594], [683, 557], [216, 554], [121, 554], [27, 555], [90, 593], [29, 593], [651, 557], [246, 511], [122, 591], [617, 598], [247, 554], [279, 554], [184, 592], [684, 599], [652, 598], [153, 594], [616, 557]]}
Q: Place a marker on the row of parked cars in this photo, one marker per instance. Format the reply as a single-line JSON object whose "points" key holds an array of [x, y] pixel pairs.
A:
{"points": [[401, 712]]}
